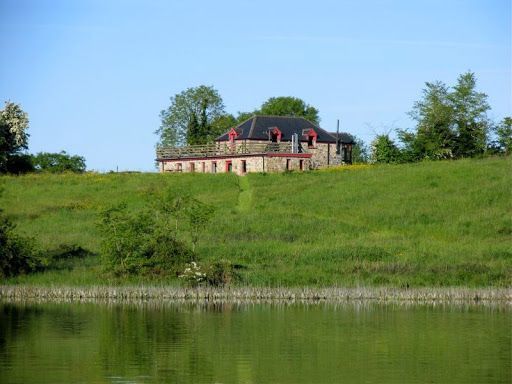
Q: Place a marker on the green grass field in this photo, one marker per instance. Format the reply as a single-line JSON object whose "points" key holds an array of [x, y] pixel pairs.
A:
{"points": [[426, 224]]}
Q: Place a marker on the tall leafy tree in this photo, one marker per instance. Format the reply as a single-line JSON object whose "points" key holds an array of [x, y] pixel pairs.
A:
{"points": [[450, 122], [360, 152], [469, 116], [289, 106], [242, 116], [203, 102], [13, 133], [193, 130], [384, 150], [222, 124], [434, 137], [504, 133]]}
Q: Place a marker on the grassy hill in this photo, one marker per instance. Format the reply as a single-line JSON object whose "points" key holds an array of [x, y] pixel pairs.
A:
{"points": [[426, 224]]}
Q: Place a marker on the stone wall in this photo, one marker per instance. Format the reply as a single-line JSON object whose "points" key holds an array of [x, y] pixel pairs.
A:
{"points": [[260, 163], [282, 164], [216, 165], [322, 154], [252, 164]]}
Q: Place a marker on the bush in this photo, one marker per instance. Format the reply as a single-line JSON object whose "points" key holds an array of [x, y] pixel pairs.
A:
{"points": [[18, 254], [384, 150], [58, 162], [193, 274], [19, 164], [221, 273], [139, 243], [217, 274]]}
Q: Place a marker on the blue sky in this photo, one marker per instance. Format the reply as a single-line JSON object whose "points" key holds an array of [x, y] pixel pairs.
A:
{"points": [[93, 75]]}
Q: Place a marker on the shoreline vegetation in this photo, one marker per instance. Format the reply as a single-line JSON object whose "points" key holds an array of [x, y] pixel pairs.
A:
{"points": [[16, 293]]}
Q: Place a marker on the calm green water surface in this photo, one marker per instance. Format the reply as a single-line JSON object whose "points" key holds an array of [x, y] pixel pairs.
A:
{"points": [[254, 343]]}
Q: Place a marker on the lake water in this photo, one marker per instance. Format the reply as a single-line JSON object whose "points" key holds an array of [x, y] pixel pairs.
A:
{"points": [[254, 343]]}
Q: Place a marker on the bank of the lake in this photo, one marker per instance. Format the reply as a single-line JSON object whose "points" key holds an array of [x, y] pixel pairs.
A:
{"points": [[333, 294], [431, 224]]}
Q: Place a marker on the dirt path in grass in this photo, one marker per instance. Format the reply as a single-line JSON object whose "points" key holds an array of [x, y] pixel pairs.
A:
{"points": [[245, 195]]}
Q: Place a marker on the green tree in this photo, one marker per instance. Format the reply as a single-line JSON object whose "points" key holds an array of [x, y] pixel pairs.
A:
{"points": [[178, 208], [19, 163], [450, 122], [434, 137], [13, 134], [360, 152], [199, 215], [504, 133], [242, 116], [193, 130], [222, 124], [289, 106], [202, 103], [384, 150], [469, 116], [58, 162]]}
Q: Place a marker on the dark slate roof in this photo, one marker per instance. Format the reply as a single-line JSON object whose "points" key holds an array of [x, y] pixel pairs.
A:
{"points": [[257, 127], [345, 137]]}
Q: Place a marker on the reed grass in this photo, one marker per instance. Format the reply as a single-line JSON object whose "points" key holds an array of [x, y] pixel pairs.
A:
{"points": [[453, 294]]}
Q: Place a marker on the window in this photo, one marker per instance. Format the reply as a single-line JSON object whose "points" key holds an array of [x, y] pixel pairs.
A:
{"points": [[312, 136], [192, 167], [275, 135], [178, 167], [203, 167], [244, 166], [229, 166], [214, 167], [232, 135]]}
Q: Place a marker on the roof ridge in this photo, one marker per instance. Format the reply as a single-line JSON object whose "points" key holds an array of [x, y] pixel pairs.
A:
{"points": [[313, 124], [293, 117], [244, 121], [254, 117], [281, 117], [346, 133]]}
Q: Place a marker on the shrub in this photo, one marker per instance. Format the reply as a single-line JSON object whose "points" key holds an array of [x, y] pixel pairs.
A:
{"points": [[19, 164], [18, 255], [140, 243], [193, 274], [58, 162], [221, 273], [217, 274], [384, 150]]}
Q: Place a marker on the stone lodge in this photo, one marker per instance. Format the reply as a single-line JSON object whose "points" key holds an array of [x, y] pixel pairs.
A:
{"points": [[262, 144]]}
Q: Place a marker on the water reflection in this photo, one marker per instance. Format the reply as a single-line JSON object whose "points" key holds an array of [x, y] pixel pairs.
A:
{"points": [[225, 342]]}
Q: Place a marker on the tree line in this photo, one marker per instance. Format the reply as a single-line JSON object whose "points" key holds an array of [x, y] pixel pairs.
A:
{"points": [[14, 124], [450, 123], [197, 115]]}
